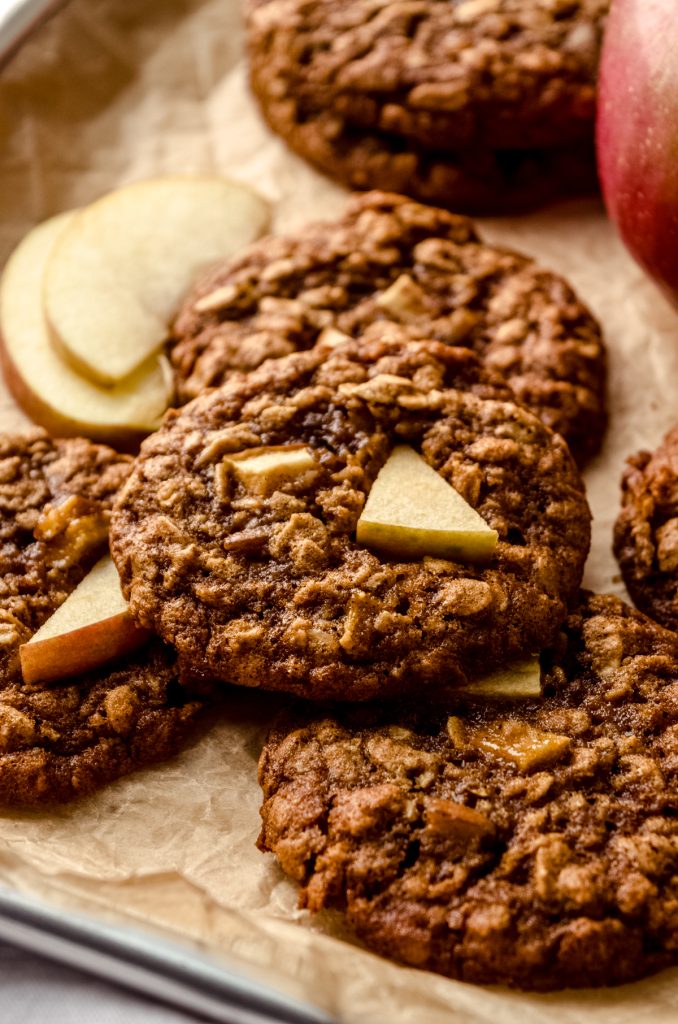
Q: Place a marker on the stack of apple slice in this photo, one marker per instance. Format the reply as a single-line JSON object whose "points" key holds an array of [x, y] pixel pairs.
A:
{"points": [[86, 299]]}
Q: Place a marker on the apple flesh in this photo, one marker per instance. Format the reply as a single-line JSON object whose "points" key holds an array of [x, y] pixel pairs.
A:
{"points": [[46, 387], [91, 627], [518, 680], [411, 512], [637, 133], [263, 470], [121, 267]]}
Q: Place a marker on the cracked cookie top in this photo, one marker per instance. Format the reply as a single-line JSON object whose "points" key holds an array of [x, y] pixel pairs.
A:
{"points": [[256, 577], [646, 531], [498, 74], [530, 843], [391, 259]]}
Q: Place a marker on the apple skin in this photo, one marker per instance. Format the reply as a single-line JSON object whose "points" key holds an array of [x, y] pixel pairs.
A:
{"points": [[637, 133]]}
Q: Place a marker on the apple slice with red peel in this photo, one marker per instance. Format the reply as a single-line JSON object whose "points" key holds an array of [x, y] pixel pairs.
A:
{"points": [[91, 627], [46, 387], [118, 273], [411, 512]]}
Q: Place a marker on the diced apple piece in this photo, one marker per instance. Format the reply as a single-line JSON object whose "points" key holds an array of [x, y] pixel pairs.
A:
{"points": [[411, 512], [510, 740], [118, 273], [46, 387], [91, 627], [518, 680], [263, 470]]}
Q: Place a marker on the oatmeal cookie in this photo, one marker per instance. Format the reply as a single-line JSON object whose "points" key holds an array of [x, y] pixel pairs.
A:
{"points": [[388, 258], [485, 106], [64, 741], [530, 843], [496, 74], [646, 531], [266, 586]]}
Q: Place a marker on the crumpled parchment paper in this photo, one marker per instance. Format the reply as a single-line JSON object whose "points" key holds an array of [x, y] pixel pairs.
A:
{"points": [[110, 92]]}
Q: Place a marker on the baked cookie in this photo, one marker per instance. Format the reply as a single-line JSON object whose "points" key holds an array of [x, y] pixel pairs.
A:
{"points": [[55, 508], [532, 843], [491, 74], [388, 258], [485, 106], [260, 582], [646, 531], [64, 741]]}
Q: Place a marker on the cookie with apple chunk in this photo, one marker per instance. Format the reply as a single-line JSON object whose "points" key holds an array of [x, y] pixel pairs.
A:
{"points": [[235, 535], [526, 843], [63, 741], [646, 531], [389, 258]]}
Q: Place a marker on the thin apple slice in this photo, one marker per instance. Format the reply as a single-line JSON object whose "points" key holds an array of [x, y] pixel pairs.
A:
{"points": [[46, 387], [121, 268], [411, 512], [518, 680], [91, 627]]}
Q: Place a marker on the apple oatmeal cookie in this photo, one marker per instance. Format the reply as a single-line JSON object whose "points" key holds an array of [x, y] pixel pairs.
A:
{"points": [[63, 741], [235, 533], [530, 843], [388, 258]]}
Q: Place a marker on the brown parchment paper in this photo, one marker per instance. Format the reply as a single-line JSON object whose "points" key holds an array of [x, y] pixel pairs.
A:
{"points": [[111, 91]]}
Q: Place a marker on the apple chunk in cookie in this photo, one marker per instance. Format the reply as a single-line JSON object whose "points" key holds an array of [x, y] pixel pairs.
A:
{"points": [[121, 267], [264, 470], [412, 511], [91, 627], [518, 680]]}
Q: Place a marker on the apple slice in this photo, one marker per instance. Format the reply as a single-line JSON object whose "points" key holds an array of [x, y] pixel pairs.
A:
{"points": [[123, 264], [411, 512], [518, 680], [46, 387], [91, 627]]}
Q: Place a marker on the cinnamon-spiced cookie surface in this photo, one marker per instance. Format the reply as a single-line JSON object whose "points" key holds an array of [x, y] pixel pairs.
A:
{"points": [[530, 843], [501, 74], [235, 536], [62, 741], [389, 258], [482, 106], [646, 531]]}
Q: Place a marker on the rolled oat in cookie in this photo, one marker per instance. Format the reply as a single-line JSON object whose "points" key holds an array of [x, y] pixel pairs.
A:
{"points": [[485, 106], [501, 74], [530, 843], [235, 534], [389, 258], [63, 741], [646, 531]]}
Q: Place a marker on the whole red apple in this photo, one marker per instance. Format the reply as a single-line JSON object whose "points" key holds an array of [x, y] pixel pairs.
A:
{"points": [[637, 132]]}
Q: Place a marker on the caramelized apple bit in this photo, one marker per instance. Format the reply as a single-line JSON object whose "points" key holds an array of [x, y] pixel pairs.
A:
{"points": [[451, 818], [523, 745], [73, 528], [404, 298]]}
